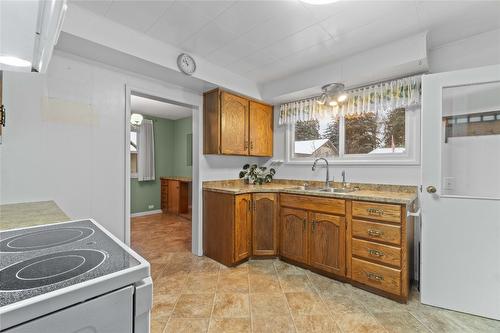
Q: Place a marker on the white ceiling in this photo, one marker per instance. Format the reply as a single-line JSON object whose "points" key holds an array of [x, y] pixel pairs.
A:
{"points": [[155, 108], [267, 40]]}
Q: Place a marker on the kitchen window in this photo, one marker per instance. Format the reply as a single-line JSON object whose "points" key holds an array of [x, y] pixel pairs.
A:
{"points": [[385, 137]]}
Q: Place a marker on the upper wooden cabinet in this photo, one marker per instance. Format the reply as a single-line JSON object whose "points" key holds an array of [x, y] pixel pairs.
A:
{"points": [[236, 125], [265, 224], [261, 129]]}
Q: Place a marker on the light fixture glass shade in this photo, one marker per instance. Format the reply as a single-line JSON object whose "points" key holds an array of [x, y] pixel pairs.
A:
{"points": [[136, 119], [341, 98], [14, 61], [333, 103], [322, 99]]}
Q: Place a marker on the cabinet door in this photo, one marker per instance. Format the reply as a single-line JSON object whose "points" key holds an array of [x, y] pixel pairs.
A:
{"points": [[173, 196], [261, 129], [294, 234], [242, 227], [234, 124], [327, 243], [265, 224], [164, 195]]}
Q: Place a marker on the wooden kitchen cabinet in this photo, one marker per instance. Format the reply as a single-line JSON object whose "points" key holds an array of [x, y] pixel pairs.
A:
{"points": [[242, 227], [327, 242], [293, 244], [236, 125], [261, 129], [265, 224], [174, 195]]}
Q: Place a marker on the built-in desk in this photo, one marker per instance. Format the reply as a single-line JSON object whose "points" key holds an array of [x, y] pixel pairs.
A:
{"points": [[175, 194]]}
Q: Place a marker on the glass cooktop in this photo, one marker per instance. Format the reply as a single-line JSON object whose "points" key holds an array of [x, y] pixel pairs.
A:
{"points": [[38, 260]]}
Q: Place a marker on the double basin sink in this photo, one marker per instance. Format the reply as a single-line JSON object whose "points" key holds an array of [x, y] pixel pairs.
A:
{"points": [[325, 189]]}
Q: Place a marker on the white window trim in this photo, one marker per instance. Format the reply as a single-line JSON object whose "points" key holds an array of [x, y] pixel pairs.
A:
{"points": [[410, 157], [134, 175]]}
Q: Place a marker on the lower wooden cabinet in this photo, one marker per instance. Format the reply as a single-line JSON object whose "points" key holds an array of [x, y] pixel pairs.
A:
{"points": [[265, 224], [327, 243], [242, 227], [333, 238], [293, 244]]}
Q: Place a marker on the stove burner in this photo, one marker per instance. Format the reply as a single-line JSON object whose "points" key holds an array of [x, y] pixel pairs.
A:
{"points": [[49, 269], [44, 239]]}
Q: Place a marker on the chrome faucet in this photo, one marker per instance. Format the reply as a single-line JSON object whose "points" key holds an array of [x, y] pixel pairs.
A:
{"points": [[327, 181], [343, 179]]}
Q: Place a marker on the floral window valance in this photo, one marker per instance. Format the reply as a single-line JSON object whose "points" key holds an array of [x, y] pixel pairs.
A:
{"points": [[400, 93]]}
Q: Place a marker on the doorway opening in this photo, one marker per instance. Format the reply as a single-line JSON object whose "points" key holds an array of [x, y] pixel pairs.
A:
{"points": [[161, 172]]}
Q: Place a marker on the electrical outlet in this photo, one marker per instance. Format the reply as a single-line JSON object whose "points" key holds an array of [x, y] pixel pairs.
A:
{"points": [[151, 206], [449, 183]]}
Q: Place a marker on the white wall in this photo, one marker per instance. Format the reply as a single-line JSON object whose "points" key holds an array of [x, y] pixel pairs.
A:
{"points": [[72, 151]]}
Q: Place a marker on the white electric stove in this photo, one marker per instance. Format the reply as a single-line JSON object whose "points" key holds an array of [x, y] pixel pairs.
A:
{"points": [[72, 277]]}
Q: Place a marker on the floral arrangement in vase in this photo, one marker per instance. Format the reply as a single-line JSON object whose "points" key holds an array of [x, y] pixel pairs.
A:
{"points": [[253, 174]]}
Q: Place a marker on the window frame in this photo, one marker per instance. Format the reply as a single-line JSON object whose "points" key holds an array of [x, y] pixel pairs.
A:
{"points": [[132, 174], [411, 156]]}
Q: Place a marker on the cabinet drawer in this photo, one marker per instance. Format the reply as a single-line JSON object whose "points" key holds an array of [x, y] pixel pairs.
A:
{"points": [[377, 276], [383, 254], [377, 211], [377, 231], [319, 204]]}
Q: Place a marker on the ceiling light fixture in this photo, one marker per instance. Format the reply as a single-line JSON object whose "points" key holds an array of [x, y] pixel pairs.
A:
{"points": [[136, 119], [319, 2], [333, 93], [14, 61]]}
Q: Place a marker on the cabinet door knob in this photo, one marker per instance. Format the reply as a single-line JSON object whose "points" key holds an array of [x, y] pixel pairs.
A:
{"points": [[431, 189]]}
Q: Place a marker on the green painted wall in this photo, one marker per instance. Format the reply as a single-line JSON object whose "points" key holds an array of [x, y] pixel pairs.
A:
{"points": [[182, 128], [170, 160]]}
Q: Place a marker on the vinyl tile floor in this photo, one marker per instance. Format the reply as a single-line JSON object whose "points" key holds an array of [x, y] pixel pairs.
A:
{"points": [[196, 294]]}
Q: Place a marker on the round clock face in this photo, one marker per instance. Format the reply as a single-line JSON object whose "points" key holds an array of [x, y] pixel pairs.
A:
{"points": [[186, 64]]}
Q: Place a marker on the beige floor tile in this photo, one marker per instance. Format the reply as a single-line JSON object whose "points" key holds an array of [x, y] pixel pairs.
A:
{"points": [[260, 283], [374, 303], [340, 305], [295, 283], [276, 324], [261, 266], [284, 268], [315, 324], [231, 305], [201, 282], [205, 264], [233, 282], [400, 322], [327, 286], [475, 323], [230, 325], [157, 326], [171, 283], [359, 323], [438, 320], [306, 303], [268, 304], [193, 306], [186, 325], [163, 305]]}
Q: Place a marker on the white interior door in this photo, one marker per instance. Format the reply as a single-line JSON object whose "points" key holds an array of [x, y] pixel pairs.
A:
{"points": [[460, 254]]}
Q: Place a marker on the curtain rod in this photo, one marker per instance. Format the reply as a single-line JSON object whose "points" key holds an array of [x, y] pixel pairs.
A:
{"points": [[364, 85]]}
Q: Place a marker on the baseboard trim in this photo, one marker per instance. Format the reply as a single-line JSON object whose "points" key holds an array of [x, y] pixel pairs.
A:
{"points": [[149, 212]]}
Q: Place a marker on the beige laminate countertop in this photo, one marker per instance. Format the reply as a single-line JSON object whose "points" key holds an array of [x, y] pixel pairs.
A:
{"points": [[28, 214], [178, 178], [367, 192]]}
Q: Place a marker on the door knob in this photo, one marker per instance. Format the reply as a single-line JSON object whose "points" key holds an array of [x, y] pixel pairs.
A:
{"points": [[431, 189]]}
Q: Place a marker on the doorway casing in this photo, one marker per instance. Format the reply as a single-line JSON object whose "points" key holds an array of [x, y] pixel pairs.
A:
{"points": [[196, 235]]}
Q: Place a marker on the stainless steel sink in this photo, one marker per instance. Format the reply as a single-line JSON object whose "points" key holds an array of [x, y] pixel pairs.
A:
{"points": [[337, 190], [322, 189]]}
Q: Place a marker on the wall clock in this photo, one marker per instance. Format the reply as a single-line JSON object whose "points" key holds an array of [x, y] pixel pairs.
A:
{"points": [[186, 64]]}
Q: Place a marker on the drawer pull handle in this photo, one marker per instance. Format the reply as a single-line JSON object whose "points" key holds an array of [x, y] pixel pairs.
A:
{"points": [[375, 277], [375, 233], [376, 253], [375, 211]]}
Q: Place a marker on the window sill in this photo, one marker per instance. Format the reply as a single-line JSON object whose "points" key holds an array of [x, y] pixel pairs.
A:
{"points": [[357, 162]]}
